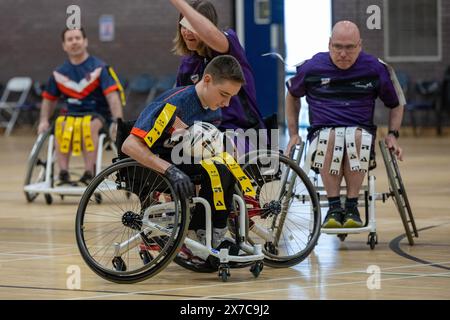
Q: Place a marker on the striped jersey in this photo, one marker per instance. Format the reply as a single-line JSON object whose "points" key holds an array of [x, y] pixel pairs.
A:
{"points": [[159, 117], [83, 87]]}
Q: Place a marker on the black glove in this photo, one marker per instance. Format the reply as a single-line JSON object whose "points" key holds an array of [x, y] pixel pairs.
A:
{"points": [[180, 181]]}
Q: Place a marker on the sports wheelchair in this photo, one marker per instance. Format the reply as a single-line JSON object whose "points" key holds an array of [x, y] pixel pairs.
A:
{"points": [[141, 224], [40, 172], [368, 196]]}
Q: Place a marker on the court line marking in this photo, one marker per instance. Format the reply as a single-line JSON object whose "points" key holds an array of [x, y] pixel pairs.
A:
{"points": [[20, 252], [39, 257], [36, 243], [249, 282], [316, 286]]}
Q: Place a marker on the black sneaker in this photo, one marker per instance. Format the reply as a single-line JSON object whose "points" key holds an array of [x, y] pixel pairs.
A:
{"points": [[334, 218], [63, 178], [352, 218], [86, 178]]}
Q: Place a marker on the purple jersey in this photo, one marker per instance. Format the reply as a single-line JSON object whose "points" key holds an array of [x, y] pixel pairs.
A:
{"points": [[242, 111], [339, 97]]}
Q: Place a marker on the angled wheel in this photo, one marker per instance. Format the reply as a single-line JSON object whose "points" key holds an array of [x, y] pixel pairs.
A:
{"points": [[224, 272], [48, 198], [372, 240], [37, 163], [257, 268], [285, 215], [398, 191], [131, 234]]}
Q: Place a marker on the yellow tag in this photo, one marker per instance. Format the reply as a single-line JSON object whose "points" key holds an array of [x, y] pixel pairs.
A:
{"points": [[67, 135], [119, 85], [237, 172], [160, 124], [59, 128], [76, 143], [216, 184], [88, 143]]}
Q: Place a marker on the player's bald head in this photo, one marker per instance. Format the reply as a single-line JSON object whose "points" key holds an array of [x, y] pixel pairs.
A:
{"points": [[345, 29]]}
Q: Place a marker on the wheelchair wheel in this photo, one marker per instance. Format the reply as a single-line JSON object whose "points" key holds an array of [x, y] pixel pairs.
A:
{"points": [[137, 228], [285, 215], [398, 191], [37, 164]]}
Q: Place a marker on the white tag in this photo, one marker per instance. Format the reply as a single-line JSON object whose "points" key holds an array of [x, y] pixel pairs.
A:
{"points": [[322, 146], [364, 153], [351, 148], [338, 152]]}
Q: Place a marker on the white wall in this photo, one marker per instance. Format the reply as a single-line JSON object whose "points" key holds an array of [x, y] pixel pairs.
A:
{"points": [[308, 28]]}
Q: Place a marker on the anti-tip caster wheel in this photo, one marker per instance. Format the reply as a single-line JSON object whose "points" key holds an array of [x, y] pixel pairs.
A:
{"points": [[48, 199], [342, 236], [257, 268], [372, 240], [224, 272]]}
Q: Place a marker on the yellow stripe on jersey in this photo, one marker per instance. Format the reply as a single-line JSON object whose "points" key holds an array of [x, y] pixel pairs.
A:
{"points": [[160, 124]]}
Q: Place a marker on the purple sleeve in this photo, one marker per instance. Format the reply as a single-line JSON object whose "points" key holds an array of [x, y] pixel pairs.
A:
{"points": [[179, 73], [235, 48], [296, 84], [387, 92]]}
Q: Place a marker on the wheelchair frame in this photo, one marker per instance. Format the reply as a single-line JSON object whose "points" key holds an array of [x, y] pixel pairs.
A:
{"points": [[45, 183], [369, 195], [144, 225]]}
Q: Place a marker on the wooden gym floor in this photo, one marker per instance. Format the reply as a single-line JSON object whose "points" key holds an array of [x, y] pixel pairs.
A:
{"points": [[38, 248]]}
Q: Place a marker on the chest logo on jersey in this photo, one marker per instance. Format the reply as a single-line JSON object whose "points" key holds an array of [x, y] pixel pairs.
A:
{"points": [[361, 85], [325, 81], [78, 90]]}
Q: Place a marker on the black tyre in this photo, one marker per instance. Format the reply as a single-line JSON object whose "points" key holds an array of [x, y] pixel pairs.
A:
{"points": [[398, 191], [37, 162], [110, 234], [288, 209]]}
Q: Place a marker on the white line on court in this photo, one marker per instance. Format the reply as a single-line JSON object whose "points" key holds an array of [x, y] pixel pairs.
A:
{"points": [[251, 282], [314, 286]]}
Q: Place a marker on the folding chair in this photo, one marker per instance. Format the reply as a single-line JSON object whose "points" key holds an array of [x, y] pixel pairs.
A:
{"points": [[9, 110]]}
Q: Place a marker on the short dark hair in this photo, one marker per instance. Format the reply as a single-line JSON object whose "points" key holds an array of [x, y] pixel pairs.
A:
{"points": [[225, 67], [63, 33]]}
